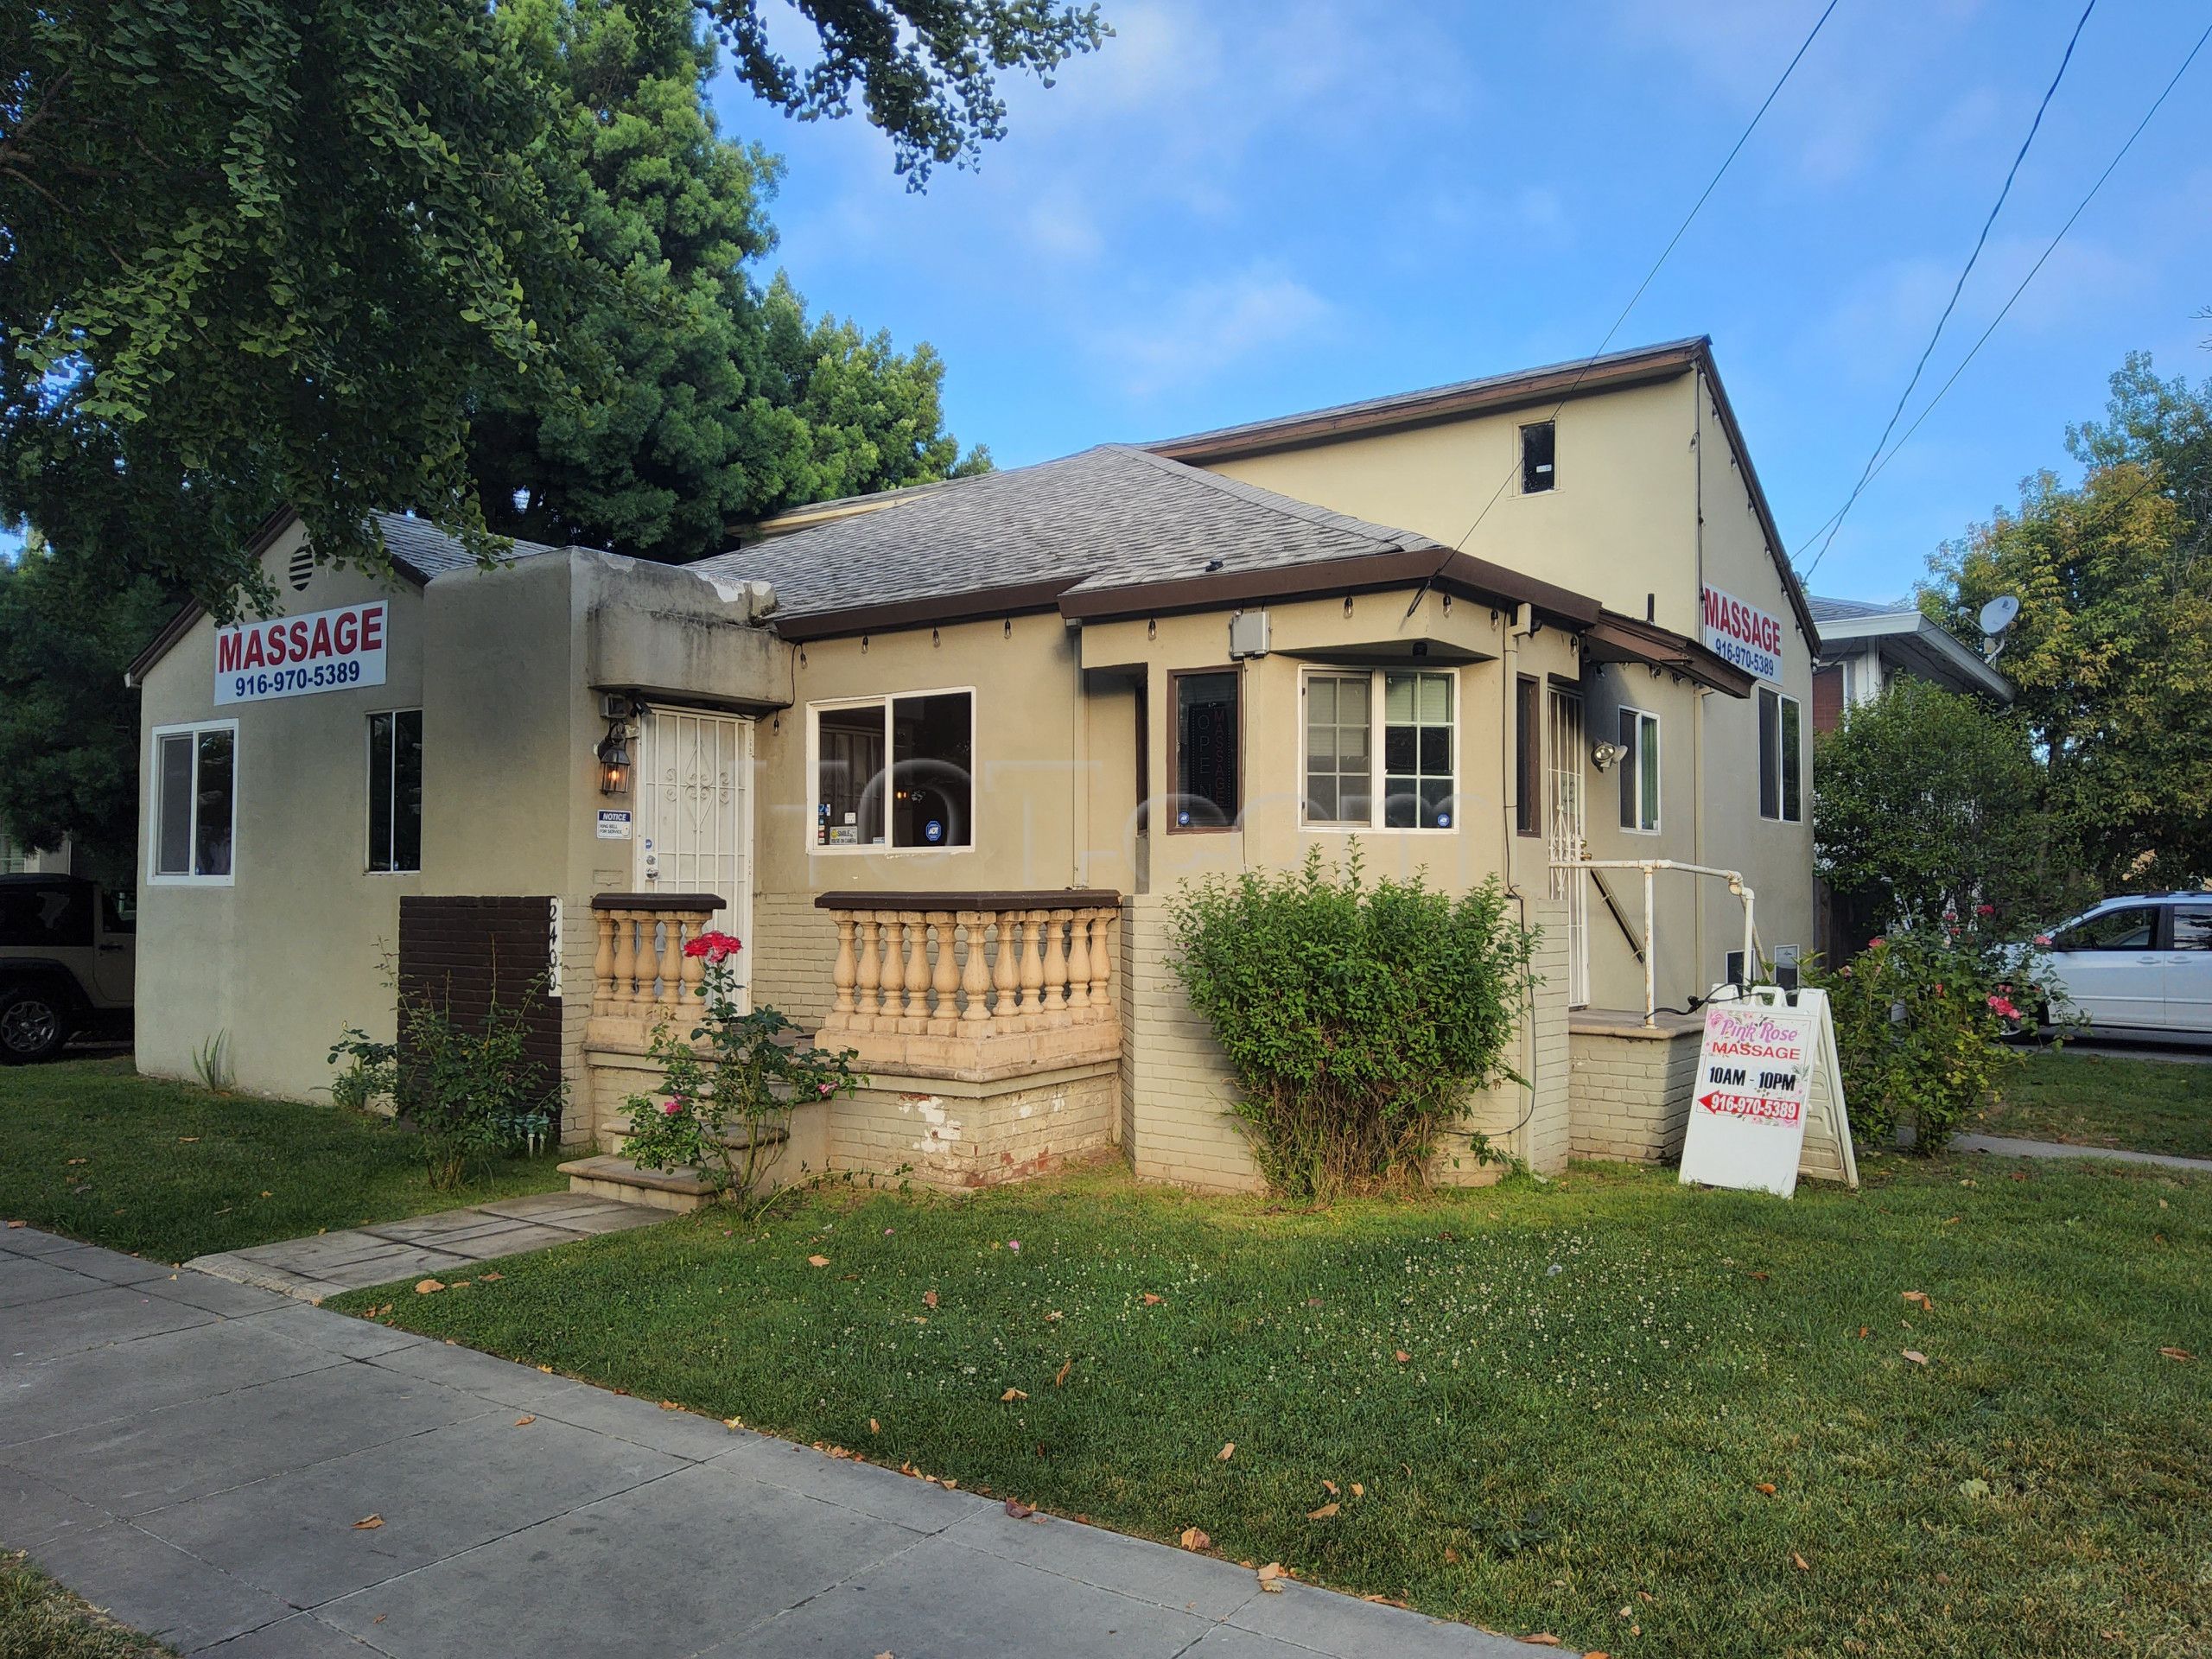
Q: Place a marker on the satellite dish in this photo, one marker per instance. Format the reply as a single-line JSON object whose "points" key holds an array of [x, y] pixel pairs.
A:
{"points": [[1997, 616]]}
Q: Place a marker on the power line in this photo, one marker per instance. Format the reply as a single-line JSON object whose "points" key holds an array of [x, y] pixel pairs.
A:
{"points": [[1712, 184], [2080, 208], [1904, 397]]}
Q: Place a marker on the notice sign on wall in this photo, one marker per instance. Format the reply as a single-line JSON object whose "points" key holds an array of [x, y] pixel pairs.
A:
{"points": [[297, 656], [1747, 1110], [1748, 637]]}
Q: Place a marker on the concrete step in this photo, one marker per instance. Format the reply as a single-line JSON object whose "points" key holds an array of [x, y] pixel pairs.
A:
{"points": [[609, 1176]]}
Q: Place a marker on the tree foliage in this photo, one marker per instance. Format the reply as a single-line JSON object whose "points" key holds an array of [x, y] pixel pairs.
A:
{"points": [[2112, 654], [1926, 803]]}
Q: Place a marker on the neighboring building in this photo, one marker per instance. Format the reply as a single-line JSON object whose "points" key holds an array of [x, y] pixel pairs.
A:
{"points": [[941, 756], [1864, 646], [16, 860]]}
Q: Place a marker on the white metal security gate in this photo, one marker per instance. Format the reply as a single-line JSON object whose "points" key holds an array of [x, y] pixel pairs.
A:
{"points": [[694, 813], [1570, 838]]}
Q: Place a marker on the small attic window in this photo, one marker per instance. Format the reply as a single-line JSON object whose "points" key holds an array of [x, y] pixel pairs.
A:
{"points": [[303, 569], [1537, 450]]}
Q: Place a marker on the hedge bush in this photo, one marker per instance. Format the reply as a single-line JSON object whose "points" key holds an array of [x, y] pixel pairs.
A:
{"points": [[1357, 1021]]}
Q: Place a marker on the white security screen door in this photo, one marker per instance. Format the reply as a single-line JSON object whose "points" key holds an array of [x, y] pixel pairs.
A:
{"points": [[695, 814], [1570, 833]]}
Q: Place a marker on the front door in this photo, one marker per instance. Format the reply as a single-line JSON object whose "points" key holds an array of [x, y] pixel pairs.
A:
{"points": [[1570, 838], [694, 813]]}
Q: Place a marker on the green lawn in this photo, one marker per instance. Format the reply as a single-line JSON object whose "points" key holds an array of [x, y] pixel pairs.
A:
{"points": [[39, 1620], [2102, 1100], [1543, 1407], [89, 1148]]}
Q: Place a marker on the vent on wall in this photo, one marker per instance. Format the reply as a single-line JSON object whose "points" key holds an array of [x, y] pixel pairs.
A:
{"points": [[303, 569]]}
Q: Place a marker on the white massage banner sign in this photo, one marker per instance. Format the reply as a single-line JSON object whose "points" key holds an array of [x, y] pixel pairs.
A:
{"points": [[1747, 1111], [1750, 637], [298, 656]]}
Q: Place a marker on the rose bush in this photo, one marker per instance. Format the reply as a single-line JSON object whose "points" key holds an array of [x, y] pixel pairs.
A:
{"points": [[730, 1086]]}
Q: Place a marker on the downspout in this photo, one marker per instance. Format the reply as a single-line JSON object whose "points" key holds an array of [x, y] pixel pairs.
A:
{"points": [[1519, 626]]}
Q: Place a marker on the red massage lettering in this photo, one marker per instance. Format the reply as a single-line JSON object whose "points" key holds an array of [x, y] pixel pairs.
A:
{"points": [[320, 645], [346, 634], [373, 628]]}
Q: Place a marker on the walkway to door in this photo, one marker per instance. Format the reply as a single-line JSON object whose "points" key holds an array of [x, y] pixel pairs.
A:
{"points": [[240, 1473]]}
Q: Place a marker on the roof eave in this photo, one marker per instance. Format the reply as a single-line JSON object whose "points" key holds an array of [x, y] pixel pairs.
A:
{"points": [[1616, 638]]}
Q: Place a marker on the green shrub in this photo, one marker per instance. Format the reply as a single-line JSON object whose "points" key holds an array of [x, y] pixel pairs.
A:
{"points": [[725, 1113], [470, 1089], [1920, 1020], [1357, 1021]]}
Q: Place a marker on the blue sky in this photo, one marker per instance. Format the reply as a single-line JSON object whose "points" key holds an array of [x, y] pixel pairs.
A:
{"points": [[1245, 207]]}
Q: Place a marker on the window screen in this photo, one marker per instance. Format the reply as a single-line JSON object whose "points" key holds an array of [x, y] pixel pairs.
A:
{"points": [[1206, 759], [1339, 756]]}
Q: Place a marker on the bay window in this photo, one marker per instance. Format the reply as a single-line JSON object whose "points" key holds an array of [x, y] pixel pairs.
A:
{"points": [[1380, 749], [923, 798]]}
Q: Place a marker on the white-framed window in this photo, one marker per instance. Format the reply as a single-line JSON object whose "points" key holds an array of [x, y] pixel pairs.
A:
{"points": [[195, 803], [1639, 770], [1381, 748], [395, 791], [1782, 758], [922, 801]]}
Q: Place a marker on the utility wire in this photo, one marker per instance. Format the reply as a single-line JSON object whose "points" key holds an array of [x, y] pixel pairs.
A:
{"points": [[1712, 184], [1928, 350], [2080, 208]]}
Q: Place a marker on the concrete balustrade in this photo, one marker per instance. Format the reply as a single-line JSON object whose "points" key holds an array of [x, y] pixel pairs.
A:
{"points": [[640, 974]]}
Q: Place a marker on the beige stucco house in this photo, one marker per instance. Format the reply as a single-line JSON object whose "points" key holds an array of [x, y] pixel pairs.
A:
{"points": [[941, 756]]}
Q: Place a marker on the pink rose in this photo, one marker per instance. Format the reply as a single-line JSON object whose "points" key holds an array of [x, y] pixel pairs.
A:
{"points": [[670, 1107], [1875, 943]]}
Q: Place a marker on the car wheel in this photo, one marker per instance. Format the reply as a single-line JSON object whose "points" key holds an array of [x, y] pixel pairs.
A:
{"points": [[34, 1024]]}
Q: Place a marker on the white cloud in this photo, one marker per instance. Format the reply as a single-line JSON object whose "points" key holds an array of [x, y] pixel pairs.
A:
{"points": [[1189, 336]]}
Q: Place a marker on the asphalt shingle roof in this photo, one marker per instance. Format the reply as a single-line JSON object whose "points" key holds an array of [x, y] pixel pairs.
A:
{"points": [[1844, 610], [423, 548], [1112, 517]]}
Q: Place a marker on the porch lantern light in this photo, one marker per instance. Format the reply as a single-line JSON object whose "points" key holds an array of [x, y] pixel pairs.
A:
{"points": [[613, 754]]}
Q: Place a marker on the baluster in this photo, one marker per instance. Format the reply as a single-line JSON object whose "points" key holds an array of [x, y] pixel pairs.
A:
{"points": [[1102, 965], [672, 963], [625, 956], [693, 970], [842, 975], [869, 974], [603, 964], [974, 978], [894, 970], [1032, 968], [916, 1015], [1055, 969], [1078, 995], [945, 982], [1006, 972]]}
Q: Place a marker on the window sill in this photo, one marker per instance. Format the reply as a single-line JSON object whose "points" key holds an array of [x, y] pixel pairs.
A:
{"points": [[819, 851], [191, 881]]}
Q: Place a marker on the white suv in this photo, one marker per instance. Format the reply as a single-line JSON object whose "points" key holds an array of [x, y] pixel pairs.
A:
{"points": [[2140, 965]]}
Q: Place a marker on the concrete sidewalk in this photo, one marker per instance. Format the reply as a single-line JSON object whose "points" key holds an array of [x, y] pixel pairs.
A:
{"points": [[197, 1456], [2006, 1145], [354, 1258]]}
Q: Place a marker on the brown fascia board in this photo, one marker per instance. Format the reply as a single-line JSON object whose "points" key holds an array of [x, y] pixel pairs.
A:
{"points": [[1454, 572], [974, 605], [1648, 643], [192, 610], [1451, 402], [1790, 586]]}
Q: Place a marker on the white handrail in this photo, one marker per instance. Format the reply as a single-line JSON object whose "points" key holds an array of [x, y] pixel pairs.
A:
{"points": [[1652, 866]]}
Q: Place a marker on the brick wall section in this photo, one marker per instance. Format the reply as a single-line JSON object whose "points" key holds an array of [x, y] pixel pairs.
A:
{"points": [[1178, 1124], [1632, 1094], [793, 953], [464, 952], [954, 1137], [1529, 1124]]}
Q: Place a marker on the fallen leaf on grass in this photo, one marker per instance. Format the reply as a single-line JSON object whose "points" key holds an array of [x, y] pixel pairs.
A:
{"points": [[368, 1524], [1862, 1333], [426, 1287], [1271, 1577], [1358, 1490], [928, 1299], [1800, 1563], [1196, 1538], [1401, 1356], [1541, 1639], [2177, 1353], [1450, 1556], [187, 1139], [1321, 1514], [80, 1161], [19, 1223], [874, 1427], [489, 1278], [1766, 1486], [1227, 1452], [1151, 1300], [1054, 1314], [817, 1261], [1329, 1486], [524, 1422], [1061, 1376], [1914, 1355], [1920, 1297], [1012, 1395]]}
